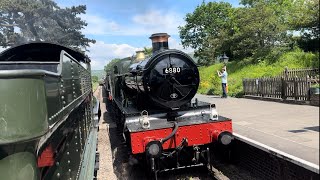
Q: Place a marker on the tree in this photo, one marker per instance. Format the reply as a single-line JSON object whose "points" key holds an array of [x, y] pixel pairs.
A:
{"points": [[147, 51], [42, 20], [109, 66], [293, 15], [305, 18], [206, 30], [257, 30], [94, 79], [254, 30]]}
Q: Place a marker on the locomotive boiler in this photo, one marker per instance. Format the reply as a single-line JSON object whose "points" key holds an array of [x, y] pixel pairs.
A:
{"points": [[152, 102]]}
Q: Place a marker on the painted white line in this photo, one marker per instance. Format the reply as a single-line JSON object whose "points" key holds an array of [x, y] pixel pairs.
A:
{"points": [[298, 161]]}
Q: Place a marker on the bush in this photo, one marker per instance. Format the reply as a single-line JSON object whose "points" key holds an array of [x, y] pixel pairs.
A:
{"points": [[210, 91], [239, 94], [315, 86]]}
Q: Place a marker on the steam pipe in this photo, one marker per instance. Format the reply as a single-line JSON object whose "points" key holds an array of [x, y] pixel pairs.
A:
{"points": [[172, 133]]}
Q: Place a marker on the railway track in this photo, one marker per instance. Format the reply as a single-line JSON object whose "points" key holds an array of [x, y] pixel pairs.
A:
{"points": [[218, 175]]}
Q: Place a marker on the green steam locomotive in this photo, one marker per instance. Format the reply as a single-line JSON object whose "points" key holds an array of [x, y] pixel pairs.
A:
{"points": [[48, 115]]}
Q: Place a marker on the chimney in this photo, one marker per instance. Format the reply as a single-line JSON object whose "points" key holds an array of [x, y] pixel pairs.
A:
{"points": [[139, 55], [159, 41]]}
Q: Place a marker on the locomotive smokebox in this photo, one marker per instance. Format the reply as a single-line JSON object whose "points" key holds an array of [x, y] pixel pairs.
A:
{"points": [[159, 41], [168, 79]]}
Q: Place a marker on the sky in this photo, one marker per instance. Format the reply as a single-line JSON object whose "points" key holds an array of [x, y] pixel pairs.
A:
{"points": [[121, 27]]}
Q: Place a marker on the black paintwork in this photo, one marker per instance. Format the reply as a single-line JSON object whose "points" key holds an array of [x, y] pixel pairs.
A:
{"points": [[156, 46], [163, 123], [39, 51], [147, 82]]}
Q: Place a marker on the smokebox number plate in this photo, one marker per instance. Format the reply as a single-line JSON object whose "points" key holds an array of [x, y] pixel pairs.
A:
{"points": [[171, 70]]}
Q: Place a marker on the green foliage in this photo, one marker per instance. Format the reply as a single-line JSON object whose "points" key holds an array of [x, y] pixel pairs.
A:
{"points": [[95, 82], [305, 18], [100, 73], [258, 29], [261, 29], [147, 51], [109, 66], [308, 44], [207, 30], [41, 20], [95, 85], [211, 83], [94, 78]]}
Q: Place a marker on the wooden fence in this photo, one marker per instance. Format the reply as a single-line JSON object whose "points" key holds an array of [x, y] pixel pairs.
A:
{"points": [[279, 88], [290, 73], [292, 84]]}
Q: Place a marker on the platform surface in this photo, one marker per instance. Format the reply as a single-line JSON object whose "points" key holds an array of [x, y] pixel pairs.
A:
{"points": [[293, 129]]}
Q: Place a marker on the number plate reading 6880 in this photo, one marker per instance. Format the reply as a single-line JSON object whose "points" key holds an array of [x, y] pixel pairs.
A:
{"points": [[171, 70]]}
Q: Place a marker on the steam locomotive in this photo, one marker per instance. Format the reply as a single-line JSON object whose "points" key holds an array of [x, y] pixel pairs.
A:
{"points": [[152, 102], [48, 116]]}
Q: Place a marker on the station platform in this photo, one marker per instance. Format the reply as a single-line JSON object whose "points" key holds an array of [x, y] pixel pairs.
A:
{"points": [[292, 129]]}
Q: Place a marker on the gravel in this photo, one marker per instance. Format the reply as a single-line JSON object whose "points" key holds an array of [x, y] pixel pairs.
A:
{"points": [[106, 161]]}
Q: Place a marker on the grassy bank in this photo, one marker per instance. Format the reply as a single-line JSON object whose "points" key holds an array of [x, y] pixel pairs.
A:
{"points": [[210, 83], [95, 85]]}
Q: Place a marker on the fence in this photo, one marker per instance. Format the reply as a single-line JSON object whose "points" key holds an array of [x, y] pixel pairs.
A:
{"points": [[294, 84], [289, 73], [280, 88]]}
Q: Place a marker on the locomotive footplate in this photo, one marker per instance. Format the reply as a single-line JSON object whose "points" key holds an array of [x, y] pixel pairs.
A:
{"points": [[161, 123]]}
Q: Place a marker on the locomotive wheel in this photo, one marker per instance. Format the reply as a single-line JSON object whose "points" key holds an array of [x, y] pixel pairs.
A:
{"points": [[118, 118]]}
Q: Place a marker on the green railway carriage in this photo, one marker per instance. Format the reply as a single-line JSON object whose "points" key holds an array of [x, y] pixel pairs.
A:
{"points": [[48, 121]]}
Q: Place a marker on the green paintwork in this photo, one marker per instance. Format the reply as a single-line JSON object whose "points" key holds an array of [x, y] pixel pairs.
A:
{"points": [[23, 112], [87, 169], [54, 103], [35, 107], [18, 166]]}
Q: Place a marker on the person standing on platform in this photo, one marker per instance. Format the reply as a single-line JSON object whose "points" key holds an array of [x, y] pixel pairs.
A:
{"points": [[224, 80]]}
